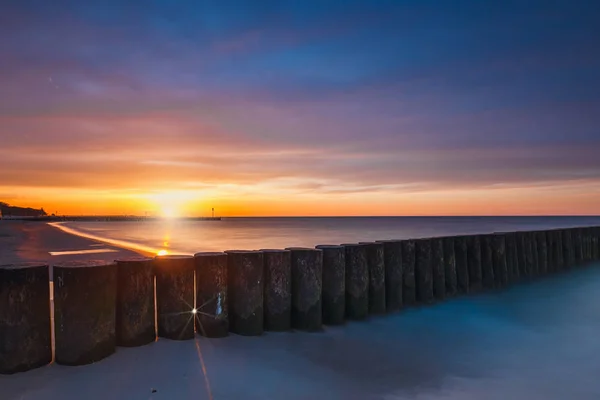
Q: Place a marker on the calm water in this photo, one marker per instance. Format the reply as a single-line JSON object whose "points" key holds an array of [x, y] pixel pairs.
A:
{"points": [[256, 233]]}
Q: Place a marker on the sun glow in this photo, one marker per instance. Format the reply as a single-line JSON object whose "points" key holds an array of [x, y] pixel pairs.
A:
{"points": [[162, 253], [174, 204]]}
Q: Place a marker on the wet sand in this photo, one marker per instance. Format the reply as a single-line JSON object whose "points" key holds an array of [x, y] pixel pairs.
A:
{"points": [[23, 241]]}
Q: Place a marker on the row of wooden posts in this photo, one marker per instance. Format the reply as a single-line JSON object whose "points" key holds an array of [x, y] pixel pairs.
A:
{"points": [[99, 305]]}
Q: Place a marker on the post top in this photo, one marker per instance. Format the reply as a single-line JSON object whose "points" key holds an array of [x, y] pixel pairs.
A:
{"points": [[329, 246], [134, 259], [174, 257], [302, 249], [83, 264], [23, 265], [209, 254], [275, 250]]}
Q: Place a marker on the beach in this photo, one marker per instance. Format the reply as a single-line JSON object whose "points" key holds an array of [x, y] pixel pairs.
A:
{"points": [[531, 341], [24, 241]]}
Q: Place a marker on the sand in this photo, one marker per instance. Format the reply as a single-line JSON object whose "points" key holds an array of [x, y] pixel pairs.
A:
{"points": [[534, 341], [22, 241]]}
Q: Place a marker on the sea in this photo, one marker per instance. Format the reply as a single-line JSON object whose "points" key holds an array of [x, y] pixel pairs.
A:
{"points": [[188, 236]]}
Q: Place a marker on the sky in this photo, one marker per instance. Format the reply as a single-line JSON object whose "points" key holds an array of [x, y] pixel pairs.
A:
{"points": [[301, 107]]}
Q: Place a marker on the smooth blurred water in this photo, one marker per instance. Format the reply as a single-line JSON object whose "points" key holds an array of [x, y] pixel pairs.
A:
{"points": [[181, 236]]}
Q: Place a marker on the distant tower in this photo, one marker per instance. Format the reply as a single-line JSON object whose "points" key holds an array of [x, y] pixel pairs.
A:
{"points": [[213, 212]]}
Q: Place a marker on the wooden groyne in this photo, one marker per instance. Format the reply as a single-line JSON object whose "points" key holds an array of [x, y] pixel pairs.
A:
{"points": [[99, 306]]}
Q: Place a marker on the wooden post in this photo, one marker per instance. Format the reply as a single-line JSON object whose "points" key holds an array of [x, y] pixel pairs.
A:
{"points": [[24, 317], [551, 250], [392, 254], [135, 302], [375, 261], [462, 264], [499, 260], [85, 304], [542, 248], [424, 271], [245, 272], [474, 261], [568, 250], [487, 263], [577, 240], [307, 286], [175, 296], [521, 239], [212, 303], [438, 268], [409, 290], [357, 281], [560, 257], [278, 290], [512, 258], [588, 244], [595, 244], [530, 254], [334, 284], [450, 267], [534, 248]]}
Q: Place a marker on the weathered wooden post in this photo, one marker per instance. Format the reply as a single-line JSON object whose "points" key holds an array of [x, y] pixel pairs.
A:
{"points": [[24, 317], [560, 257], [595, 244], [135, 302], [542, 247], [278, 289], [521, 241], [462, 264], [499, 259], [175, 296], [334, 284], [357, 281], [474, 262], [376, 263], [409, 289], [392, 254], [551, 250], [536, 262], [424, 271], [307, 286], [512, 258], [531, 254], [588, 244], [85, 304], [438, 268], [450, 266], [576, 240], [245, 283], [487, 262], [212, 305], [567, 246]]}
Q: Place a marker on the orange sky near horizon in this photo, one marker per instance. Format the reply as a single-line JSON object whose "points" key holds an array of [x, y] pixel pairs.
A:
{"points": [[572, 200]]}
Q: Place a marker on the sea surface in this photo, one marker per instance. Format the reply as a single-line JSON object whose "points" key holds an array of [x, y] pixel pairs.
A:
{"points": [[188, 237]]}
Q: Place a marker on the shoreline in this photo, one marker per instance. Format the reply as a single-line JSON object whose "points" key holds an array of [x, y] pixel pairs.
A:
{"points": [[32, 241]]}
